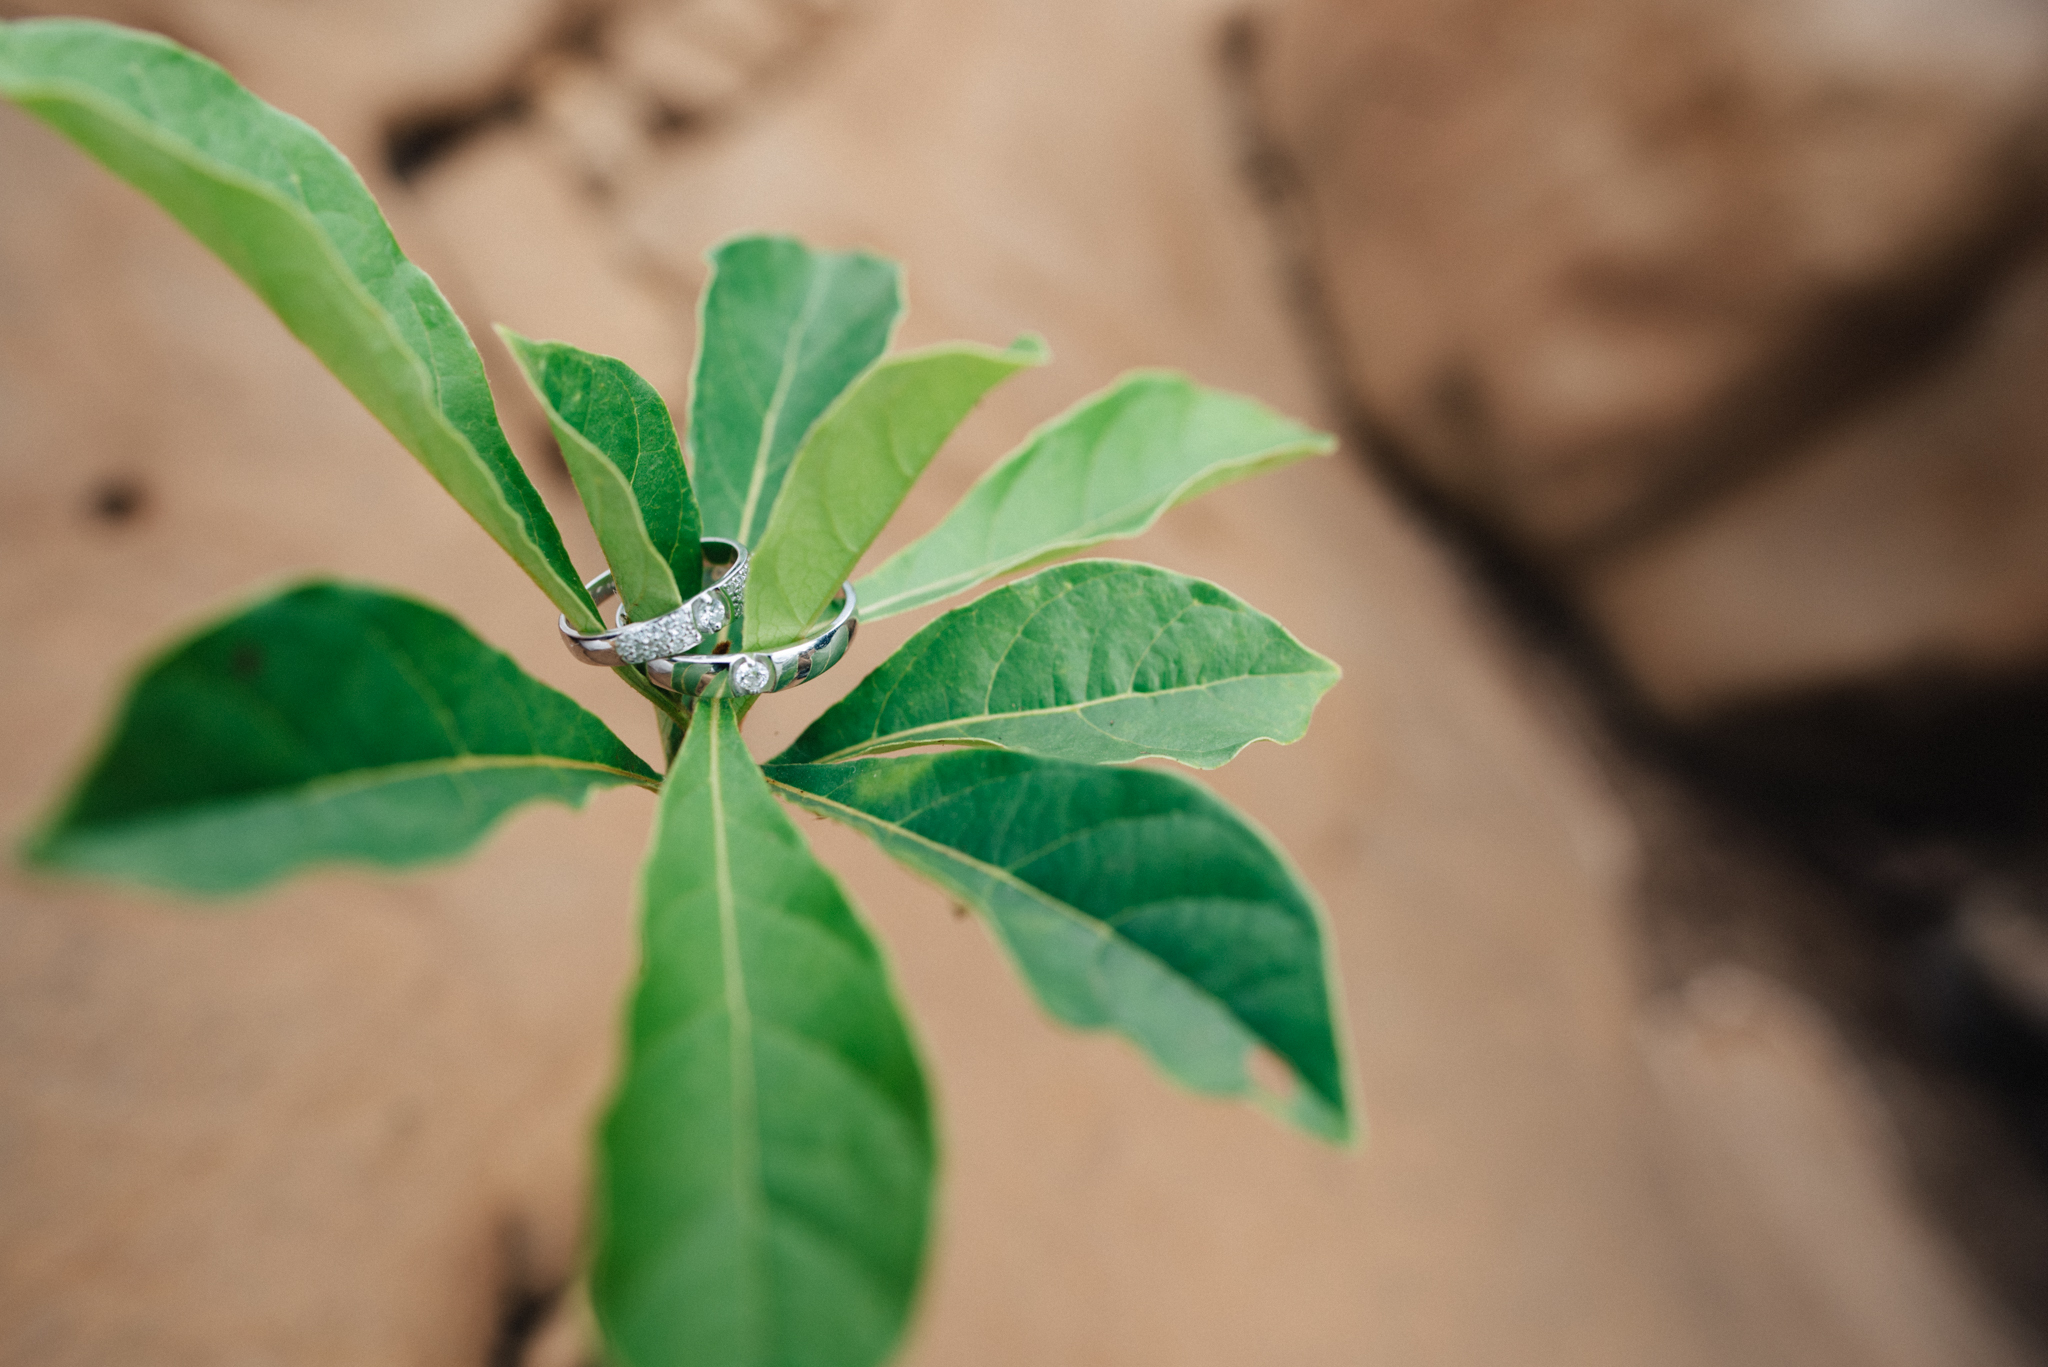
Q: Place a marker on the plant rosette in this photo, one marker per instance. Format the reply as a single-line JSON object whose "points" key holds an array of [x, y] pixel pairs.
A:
{"points": [[765, 1170]]}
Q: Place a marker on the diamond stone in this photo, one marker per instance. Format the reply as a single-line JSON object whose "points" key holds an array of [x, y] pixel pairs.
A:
{"points": [[664, 636], [710, 613], [751, 676]]}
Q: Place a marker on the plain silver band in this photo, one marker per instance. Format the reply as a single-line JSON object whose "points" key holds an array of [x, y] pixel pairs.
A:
{"points": [[636, 643], [698, 676]]}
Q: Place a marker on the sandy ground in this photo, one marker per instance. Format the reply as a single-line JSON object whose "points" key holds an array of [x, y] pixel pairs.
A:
{"points": [[343, 1121]]}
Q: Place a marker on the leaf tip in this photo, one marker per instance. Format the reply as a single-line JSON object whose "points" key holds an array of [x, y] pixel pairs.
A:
{"points": [[38, 848], [1304, 1107], [523, 348], [1339, 1128], [1031, 348]]}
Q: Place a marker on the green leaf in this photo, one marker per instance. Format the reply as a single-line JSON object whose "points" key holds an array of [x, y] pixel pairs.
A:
{"points": [[622, 451], [782, 331], [1131, 899], [852, 472], [1103, 470], [287, 213], [766, 1168], [330, 722], [1097, 661]]}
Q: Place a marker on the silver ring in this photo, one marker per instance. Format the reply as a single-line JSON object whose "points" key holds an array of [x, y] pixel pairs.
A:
{"points": [[703, 616], [761, 671]]}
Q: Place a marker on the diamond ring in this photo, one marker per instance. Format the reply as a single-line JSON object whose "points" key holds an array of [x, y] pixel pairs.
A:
{"points": [[761, 671], [703, 617]]}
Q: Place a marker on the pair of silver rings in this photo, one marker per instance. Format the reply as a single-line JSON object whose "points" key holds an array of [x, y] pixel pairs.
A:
{"points": [[664, 644]]}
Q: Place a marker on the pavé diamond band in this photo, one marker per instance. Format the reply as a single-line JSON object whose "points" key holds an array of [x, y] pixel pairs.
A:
{"points": [[702, 617], [762, 671]]}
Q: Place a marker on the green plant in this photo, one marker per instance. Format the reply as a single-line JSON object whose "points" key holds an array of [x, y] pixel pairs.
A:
{"points": [[766, 1167]]}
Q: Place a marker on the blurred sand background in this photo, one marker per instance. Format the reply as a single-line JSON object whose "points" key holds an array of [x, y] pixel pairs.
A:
{"points": [[1676, 813]]}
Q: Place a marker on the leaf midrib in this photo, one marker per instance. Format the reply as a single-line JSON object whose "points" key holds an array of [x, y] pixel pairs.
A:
{"points": [[937, 728], [771, 418], [1067, 911], [621, 485], [877, 741], [1085, 535], [333, 787], [746, 1127], [672, 1033]]}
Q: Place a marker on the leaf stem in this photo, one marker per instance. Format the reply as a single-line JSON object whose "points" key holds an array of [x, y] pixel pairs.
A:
{"points": [[671, 719], [664, 702]]}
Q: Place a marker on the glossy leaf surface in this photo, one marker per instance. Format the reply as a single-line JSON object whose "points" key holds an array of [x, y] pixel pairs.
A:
{"points": [[288, 214], [1097, 661], [766, 1167], [1103, 470], [621, 449], [851, 474], [331, 722], [1131, 899], [782, 331]]}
